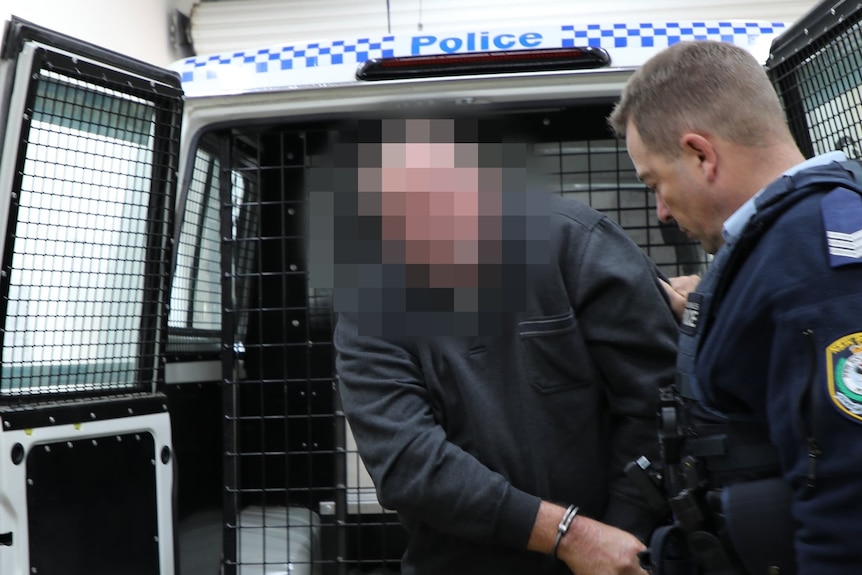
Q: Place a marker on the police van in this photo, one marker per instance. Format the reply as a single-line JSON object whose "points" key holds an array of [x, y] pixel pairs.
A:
{"points": [[167, 391]]}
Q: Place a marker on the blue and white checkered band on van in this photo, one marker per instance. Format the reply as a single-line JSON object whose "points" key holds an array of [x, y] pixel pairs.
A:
{"points": [[300, 56], [649, 35], [335, 61]]}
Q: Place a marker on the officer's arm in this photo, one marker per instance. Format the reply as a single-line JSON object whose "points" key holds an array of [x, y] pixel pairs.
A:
{"points": [[677, 290]]}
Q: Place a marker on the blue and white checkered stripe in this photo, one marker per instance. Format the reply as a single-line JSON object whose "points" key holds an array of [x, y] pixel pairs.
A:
{"points": [[280, 58], [652, 35], [315, 63]]}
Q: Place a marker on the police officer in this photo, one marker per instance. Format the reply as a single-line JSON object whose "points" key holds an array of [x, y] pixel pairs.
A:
{"points": [[763, 439]]}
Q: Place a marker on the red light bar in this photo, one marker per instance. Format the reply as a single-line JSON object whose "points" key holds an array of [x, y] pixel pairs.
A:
{"points": [[468, 63]]}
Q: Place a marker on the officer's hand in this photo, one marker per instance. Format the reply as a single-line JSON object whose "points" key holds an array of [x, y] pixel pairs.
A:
{"points": [[594, 548], [677, 290]]}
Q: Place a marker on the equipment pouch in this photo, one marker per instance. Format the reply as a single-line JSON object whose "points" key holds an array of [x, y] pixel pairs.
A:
{"points": [[760, 526], [668, 553]]}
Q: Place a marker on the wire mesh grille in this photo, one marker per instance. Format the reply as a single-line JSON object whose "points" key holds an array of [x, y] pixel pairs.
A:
{"points": [[282, 417], [80, 273], [819, 85], [196, 290], [196, 306], [296, 489], [599, 173]]}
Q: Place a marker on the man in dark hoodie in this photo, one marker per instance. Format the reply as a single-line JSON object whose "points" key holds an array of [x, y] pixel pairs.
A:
{"points": [[771, 339], [508, 366]]}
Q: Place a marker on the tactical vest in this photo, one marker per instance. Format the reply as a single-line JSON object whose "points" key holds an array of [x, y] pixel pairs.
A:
{"points": [[721, 472]]}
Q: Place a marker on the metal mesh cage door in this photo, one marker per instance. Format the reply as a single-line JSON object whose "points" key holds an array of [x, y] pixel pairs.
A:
{"points": [[87, 247], [816, 67], [277, 364], [87, 187]]}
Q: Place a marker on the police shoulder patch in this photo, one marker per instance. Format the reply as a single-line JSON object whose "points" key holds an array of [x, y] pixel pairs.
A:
{"points": [[842, 220], [844, 374]]}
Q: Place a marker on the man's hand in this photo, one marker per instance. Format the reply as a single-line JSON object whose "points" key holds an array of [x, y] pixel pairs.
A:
{"points": [[589, 547], [594, 548], [678, 290]]}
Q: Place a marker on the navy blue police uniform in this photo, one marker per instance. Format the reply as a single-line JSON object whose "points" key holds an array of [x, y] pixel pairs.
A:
{"points": [[770, 386]]}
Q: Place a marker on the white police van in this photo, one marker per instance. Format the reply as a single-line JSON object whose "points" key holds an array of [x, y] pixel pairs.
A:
{"points": [[166, 371]]}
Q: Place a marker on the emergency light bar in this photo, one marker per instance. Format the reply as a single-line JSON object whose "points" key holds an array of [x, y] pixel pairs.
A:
{"points": [[496, 62]]}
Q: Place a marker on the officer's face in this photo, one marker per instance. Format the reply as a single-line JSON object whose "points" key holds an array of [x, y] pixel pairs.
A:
{"points": [[682, 195]]}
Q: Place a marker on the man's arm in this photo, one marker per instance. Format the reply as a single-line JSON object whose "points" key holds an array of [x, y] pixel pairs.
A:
{"points": [[415, 469], [588, 546], [631, 334], [420, 474]]}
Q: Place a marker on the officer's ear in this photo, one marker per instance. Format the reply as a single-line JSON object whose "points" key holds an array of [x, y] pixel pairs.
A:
{"points": [[700, 151]]}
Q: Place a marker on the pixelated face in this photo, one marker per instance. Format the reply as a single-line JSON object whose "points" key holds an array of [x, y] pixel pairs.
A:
{"points": [[438, 206], [423, 226]]}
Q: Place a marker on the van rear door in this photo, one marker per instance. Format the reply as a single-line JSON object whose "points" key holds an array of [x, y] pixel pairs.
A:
{"points": [[87, 187], [817, 70]]}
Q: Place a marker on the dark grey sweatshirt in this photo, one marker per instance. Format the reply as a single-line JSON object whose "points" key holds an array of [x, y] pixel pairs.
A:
{"points": [[463, 436]]}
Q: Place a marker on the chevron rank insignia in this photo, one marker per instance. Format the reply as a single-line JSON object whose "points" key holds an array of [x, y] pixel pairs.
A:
{"points": [[842, 219], [844, 374]]}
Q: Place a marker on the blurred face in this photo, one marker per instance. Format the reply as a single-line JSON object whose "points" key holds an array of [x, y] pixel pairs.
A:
{"points": [[429, 203], [434, 209], [682, 192]]}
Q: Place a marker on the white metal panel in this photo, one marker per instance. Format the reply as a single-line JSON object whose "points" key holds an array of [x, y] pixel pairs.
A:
{"points": [[15, 560], [236, 24]]}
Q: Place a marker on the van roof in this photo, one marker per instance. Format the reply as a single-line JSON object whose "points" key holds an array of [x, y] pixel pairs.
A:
{"points": [[293, 65]]}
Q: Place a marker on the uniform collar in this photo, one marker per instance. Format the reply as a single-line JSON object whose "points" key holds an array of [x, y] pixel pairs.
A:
{"points": [[737, 221]]}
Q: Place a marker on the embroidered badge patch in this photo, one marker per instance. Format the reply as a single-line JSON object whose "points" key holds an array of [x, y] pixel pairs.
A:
{"points": [[691, 314], [844, 374], [842, 219]]}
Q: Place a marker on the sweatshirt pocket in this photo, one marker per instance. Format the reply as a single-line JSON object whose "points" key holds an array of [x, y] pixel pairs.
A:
{"points": [[555, 356]]}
